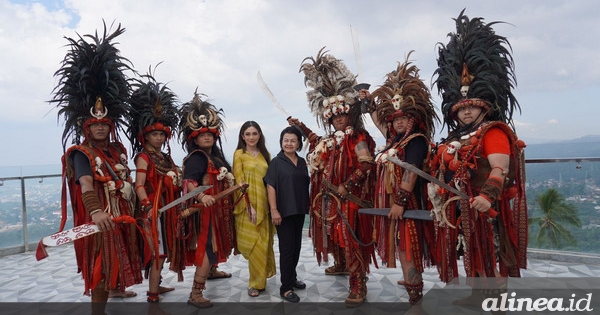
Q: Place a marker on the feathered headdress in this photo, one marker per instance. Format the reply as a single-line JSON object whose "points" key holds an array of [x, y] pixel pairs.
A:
{"points": [[153, 107], [476, 68], [92, 87], [198, 117], [404, 94], [332, 91]]}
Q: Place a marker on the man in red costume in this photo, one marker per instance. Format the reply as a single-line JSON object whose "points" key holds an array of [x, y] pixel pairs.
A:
{"points": [[403, 112], [92, 95], [211, 230], [341, 166], [153, 119], [481, 156]]}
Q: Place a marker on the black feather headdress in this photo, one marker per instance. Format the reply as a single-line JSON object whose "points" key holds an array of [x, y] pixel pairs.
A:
{"points": [[404, 94], [153, 107], [198, 116], [476, 68], [92, 86], [332, 89]]}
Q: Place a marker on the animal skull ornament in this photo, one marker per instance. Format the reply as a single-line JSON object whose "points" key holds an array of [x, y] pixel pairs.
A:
{"points": [[230, 179], [123, 158], [98, 161], [397, 101], [127, 190], [464, 90], [339, 136], [349, 130], [174, 177], [329, 143], [203, 120], [222, 173], [453, 147]]}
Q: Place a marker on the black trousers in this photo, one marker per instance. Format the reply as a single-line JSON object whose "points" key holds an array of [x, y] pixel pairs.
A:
{"points": [[289, 233]]}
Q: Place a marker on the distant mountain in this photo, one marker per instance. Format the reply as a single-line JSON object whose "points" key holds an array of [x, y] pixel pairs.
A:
{"points": [[588, 138], [587, 146]]}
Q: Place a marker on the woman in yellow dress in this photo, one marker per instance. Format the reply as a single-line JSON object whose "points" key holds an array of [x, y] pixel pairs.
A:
{"points": [[255, 231]]}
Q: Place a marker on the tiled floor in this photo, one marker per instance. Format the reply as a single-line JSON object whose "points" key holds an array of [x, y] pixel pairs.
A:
{"points": [[54, 279]]}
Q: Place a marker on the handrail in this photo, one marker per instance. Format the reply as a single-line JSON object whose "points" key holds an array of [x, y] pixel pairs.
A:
{"points": [[560, 160], [31, 246]]}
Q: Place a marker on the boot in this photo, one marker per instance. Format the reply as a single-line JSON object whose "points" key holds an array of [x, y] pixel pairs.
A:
{"points": [[358, 291], [415, 292], [196, 298], [339, 264], [99, 299], [337, 270]]}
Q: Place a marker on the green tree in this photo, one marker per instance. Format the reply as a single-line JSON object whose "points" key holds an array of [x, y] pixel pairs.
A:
{"points": [[555, 211]]}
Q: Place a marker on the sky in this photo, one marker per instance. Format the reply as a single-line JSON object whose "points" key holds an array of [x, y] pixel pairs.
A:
{"points": [[219, 46]]}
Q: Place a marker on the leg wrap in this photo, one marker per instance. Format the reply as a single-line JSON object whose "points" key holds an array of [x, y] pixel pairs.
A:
{"points": [[358, 290], [415, 292], [152, 297], [196, 297]]}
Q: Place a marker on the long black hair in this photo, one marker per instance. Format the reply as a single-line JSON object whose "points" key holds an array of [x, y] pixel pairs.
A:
{"points": [[261, 141]]}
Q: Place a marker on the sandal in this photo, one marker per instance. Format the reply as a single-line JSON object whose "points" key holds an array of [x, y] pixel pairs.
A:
{"points": [[218, 274], [162, 290], [252, 292]]}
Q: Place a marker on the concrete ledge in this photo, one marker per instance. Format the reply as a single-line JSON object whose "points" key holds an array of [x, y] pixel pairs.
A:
{"points": [[564, 256]]}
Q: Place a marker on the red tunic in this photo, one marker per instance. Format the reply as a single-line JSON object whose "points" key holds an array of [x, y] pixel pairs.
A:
{"points": [[113, 255], [218, 219], [476, 233], [406, 235], [162, 185], [335, 222]]}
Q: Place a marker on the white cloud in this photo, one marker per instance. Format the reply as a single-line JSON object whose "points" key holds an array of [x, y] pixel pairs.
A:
{"points": [[218, 46]]}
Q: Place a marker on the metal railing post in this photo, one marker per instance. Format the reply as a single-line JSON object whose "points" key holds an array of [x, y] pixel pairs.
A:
{"points": [[24, 214]]}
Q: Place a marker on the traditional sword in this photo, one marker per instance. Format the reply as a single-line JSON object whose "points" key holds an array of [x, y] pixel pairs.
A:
{"points": [[490, 212], [361, 86], [87, 229], [273, 99], [428, 177], [424, 215], [183, 198]]}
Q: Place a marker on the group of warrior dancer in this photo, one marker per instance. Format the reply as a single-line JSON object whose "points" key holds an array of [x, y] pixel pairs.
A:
{"points": [[476, 204]]}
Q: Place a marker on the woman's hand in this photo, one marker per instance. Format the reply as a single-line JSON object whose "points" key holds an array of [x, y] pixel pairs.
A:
{"points": [[275, 217], [252, 215]]}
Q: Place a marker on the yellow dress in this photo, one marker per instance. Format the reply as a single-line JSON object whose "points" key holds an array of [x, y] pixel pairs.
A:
{"points": [[255, 242]]}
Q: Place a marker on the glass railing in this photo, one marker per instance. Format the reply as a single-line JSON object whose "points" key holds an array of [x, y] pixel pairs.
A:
{"points": [[30, 205]]}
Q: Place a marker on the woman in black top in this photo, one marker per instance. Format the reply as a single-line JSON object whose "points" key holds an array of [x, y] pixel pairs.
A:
{"points": [[287, 188]]}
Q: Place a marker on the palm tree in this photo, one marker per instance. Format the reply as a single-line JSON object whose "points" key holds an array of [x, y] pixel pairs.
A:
{"points": [[555, 210]]}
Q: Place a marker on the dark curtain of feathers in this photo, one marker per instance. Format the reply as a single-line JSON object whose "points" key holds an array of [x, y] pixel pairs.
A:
{"points": [[488, 59], [91, 68], [151, 102]]}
